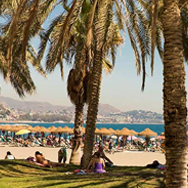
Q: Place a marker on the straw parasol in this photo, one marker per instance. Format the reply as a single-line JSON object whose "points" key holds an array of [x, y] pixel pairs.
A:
{"points": [[52, 129], [97, 131], [59, 130], [35, 129], [163, 134], [67, 129], [44, 130], [15, 129], [123, 132], [132, 133], [104, 131], [7, 127], [147, 132], [112, 130], [83, 130]]}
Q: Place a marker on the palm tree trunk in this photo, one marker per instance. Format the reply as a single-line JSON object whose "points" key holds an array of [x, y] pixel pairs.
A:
{"points": [[78, 123], [175, 111], [92, 107]]}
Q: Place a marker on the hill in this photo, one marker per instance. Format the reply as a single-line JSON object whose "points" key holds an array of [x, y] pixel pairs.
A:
{"points": [[104, 109]]}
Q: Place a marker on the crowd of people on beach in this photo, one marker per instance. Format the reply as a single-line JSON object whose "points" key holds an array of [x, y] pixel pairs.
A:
{"points": [[98, 161]]}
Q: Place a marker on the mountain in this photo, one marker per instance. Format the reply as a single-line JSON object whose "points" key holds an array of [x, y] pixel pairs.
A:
{"points": [[104, 109], [29, 106]]}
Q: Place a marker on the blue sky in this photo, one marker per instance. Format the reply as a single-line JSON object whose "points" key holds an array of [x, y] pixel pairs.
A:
{"points": [[121, 88]]}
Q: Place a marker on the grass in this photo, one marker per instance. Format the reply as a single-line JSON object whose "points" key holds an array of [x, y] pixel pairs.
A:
{"points": [[22, 174]]}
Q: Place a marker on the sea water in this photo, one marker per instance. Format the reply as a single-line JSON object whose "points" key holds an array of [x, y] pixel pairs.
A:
{"points": [[158, 128]]}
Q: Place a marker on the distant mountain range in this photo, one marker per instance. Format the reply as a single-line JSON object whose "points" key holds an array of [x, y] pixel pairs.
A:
{"points": [[104, 109]]}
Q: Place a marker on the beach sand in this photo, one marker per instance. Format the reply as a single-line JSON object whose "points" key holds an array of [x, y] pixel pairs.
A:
{"points": [[125, 158]]}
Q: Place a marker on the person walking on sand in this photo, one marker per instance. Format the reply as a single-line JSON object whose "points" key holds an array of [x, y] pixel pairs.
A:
{"points": [[62, 155]]}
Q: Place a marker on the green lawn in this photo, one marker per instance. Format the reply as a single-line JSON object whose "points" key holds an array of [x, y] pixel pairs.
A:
{"points": [[22, 174]]}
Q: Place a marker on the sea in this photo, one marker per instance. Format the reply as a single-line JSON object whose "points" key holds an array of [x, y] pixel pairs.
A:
{"points": [[158, 128]]}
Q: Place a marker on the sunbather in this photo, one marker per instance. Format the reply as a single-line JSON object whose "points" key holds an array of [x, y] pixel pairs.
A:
{"points": [[96, 164], [41, 159]]}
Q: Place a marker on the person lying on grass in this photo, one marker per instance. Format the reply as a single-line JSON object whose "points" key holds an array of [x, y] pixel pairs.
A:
{"points": [[41, 159]]}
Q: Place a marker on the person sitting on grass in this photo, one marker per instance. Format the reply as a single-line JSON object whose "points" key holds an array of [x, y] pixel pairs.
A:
{"points": [[41, 159], [9, 155], [96, 164]]}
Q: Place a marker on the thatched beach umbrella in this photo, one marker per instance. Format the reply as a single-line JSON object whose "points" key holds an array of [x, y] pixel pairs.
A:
{"points": [[44, 130], [163, 134], [52, 129], [123, 132], [147, 132], [97, 131], [7, 127], [35, 129], [15, 129], [67, 129], [59, 130], [83, 130], [132, 133], [104, 131], [112, 131]]}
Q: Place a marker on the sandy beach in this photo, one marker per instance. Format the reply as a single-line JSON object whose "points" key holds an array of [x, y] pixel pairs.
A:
{"points": [[125, 158]]}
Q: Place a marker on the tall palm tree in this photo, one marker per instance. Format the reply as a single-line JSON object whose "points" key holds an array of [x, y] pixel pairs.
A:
{"points": [[14, 68], [103, 26], [172, 19]]}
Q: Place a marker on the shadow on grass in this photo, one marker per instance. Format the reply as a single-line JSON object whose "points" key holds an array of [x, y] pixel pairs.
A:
{"points": [[116, 177]]}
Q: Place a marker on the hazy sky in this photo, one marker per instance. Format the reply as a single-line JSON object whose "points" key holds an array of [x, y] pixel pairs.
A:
{"points": [[121, 88]]}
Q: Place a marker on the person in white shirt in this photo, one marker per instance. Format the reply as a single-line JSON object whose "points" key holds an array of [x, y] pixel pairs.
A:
{"points": [[9, 155]]}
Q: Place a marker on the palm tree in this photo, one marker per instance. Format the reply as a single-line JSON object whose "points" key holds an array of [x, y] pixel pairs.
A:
{"points": [[79, 76], [172, 21], [14, 68], [103, 26], [175, 111]]}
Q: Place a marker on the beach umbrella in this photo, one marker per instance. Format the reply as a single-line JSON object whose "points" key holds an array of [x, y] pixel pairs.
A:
{"points": [[59, 130], [162, 134], [44, 130], [147, 132], [15, 129], [1, 127], [123, 132], [22, 131], [112, 130], [83, 130], [7, 127], [35, 129], [52, 129], [132, 132], [97, 131], [67, 129], [104, 131]]}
